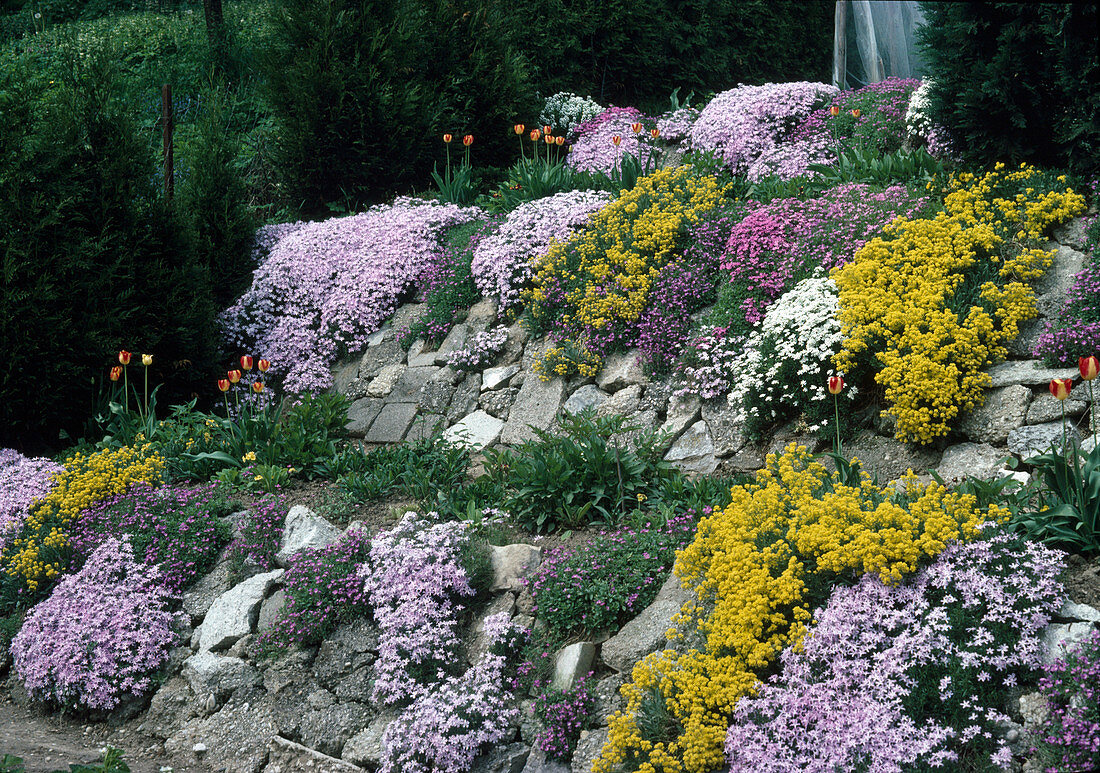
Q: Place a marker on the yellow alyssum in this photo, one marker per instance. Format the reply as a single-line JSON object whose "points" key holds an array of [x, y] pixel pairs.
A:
{"points": [[40, 551], [604, 274], [750, 567], [908, 303]]}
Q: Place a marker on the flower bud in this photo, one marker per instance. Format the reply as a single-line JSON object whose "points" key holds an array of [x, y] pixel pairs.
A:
{"points": [[836, 383], [147, 360], [223, 384], [258, 387], [559, 141], [635, 127], [447, 138], [616, 140], [536, 135], [234, 376], [547, 129], [246, 362], [468, 140], [1089, 367], [263, 365], [518, 128], [834, 111], [855, 113], [116, 373], [654, 133], [124, 357]]}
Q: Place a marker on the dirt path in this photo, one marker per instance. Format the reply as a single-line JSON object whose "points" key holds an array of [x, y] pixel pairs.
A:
{"points": [[50, 743]]}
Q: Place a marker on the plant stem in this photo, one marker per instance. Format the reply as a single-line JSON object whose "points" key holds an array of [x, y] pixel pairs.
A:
{"points": [[1092, 415], [836, 414], [126, 387]]}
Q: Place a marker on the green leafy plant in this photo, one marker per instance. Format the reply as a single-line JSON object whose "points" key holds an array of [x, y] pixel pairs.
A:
{"points": [[1064, 499], [535, 178], [869, 165], [422, 470], [581, 472]]}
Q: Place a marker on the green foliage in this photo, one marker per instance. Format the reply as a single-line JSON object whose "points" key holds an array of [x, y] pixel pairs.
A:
{"points": [[585, 471], [419, 470], [622, 52], [1064, 500], [456, 186], [214, 198], [112, 762], [1016, 81], [869, 165], [93, 258], [536, 178]]}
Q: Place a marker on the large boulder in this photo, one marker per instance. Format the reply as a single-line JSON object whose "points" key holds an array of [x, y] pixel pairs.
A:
{"points": [[365, 747], [392, 423], [198, 599], [978, 460], [328, 728], [620, 371], [587, 396], [646, 632], [234, 613], [572, 664], [477, 430], [888, 459], [1025, 372], [304, 529], [1045, 407], [1036, 439], [236, 738], [361, 414], [589, 748], [682, 413], [288, 757], [694, 450], [502, 759], [726, 425]]}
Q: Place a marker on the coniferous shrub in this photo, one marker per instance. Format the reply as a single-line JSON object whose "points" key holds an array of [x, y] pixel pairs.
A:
{"points": [[94, 259], [1016, 82]]}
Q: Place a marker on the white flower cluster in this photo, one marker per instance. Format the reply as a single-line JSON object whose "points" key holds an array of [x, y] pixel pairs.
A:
{"points": [[564, 111], [787, 360], [480, 351], [918, 122]]}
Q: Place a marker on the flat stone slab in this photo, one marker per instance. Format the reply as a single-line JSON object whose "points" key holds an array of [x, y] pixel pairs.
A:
{"points": [[682, 413], [572, 664], [495, 378], [1027, 373], [646, 632], [477, 430], [392, 423], [382, 384], [694, 450], [234, 613], [588, 396], [536, 405], [620, 370], [289, 757], [360, 415], [408, 387], [1046, 407], [304, 529], [1004, 410], [726, 427], [1036, 439], [979, 460]]}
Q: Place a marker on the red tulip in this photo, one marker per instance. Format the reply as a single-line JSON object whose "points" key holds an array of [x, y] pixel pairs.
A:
{"points": [[263, 365], [547, 129], [1089, 367], [234, 376], [223, 384], [1060, 387], [536, 135], [447, 138], [616, 140], [124, 357], [654, 133], [549, 140], [246, 362], [559, 141], [116, 373], [635, 127], [258, 387], [855, 113], [518, 128], [834, 110], [468, 140], [836, 383]]}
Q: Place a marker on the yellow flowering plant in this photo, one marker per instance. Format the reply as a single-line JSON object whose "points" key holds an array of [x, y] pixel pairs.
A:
{"points": [[30, 563], [933, 302], [590, 290], [757, 568]]}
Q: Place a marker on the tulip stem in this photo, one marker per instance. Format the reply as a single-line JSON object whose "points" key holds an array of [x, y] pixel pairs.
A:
{"points": [[1092, 415], [146, 390], [836, 414], [126, 388], [1063, 404]]}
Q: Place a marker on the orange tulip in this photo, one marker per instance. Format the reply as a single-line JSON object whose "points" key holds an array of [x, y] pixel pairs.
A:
{"points": [[223, 384], [836, 383], [549, 140], [1060, 387], [258, 387], [124, 357], [559, 141], [654, 133], [547, 129], [468, 140], [1089, 367], [855, 113], [616, 140], [518, 128], [246, 362], [635, 127], [234, 376], [447, 138], [834, 110], [536, 135], [116, 373], [263, 365]]}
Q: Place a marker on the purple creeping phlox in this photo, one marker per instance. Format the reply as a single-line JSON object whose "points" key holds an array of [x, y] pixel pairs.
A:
{"points": [[173, 527], [779, 243], [450, 723], [325, 287], [22, 481], [1070, 736], [259, 534], [100, 636], [593, 150], [412, 578], [1076, 330], [854, 695], [504, 262], [743, 123]]}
